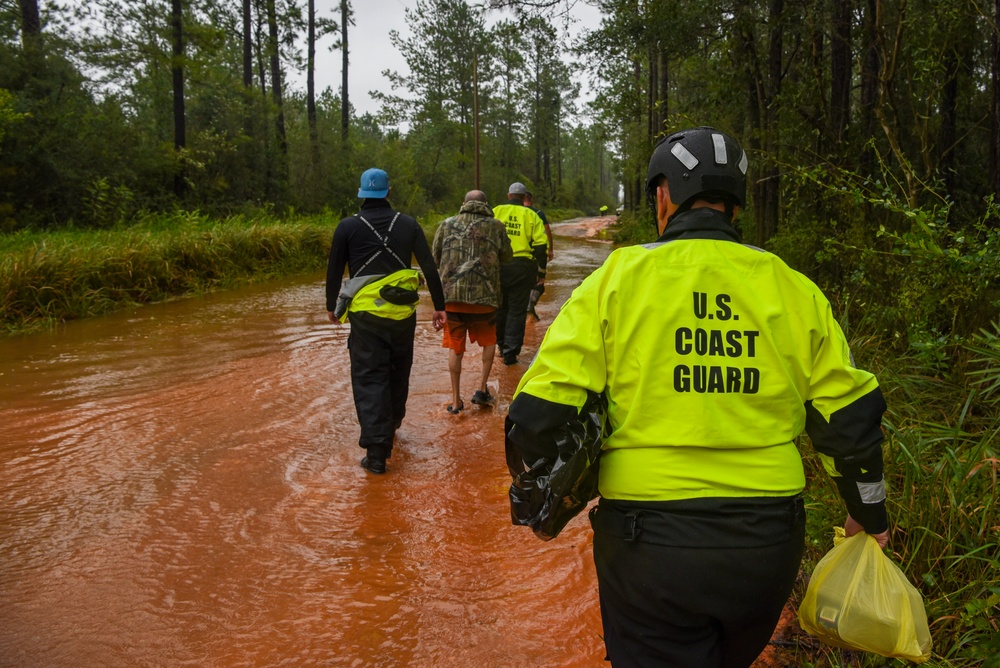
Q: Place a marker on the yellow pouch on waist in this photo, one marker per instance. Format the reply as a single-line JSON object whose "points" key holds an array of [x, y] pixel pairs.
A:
{"points": [[386, 297], [858, 599]]}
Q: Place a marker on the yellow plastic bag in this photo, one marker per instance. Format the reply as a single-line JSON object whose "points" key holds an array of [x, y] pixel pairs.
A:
{"points": [[858, 599]]}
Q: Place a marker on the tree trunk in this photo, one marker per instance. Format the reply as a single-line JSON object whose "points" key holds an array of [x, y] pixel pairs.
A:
{"points": [[772, 180], [763, 90], [177, 67], [31, 23], [537, 121], [995, 108], [755, 101], [276, 96], [559, 156], [871, 66], [266, 166], [475, 117], [247, 45], [636, 184], [259, 44], [840, 70], [547, 169], [663, 68], [311, 81], [345, 107], [250, 150], [949, 107], [652, 96]]}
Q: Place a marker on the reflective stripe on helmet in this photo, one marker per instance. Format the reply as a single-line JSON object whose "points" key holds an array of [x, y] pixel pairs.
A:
{"points": [[698, 160], [684, 155], [719, 142]]}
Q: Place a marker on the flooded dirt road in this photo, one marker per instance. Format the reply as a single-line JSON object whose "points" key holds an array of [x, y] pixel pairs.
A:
{"points": [[179, 486]]}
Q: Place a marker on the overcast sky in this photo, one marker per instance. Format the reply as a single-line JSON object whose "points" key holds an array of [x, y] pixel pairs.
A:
{"points": [[371, 52]]}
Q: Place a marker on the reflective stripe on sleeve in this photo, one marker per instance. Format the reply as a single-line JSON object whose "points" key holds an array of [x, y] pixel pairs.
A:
{"points": [[872, 492]]}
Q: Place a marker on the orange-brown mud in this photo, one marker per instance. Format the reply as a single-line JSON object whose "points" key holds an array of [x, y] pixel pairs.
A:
{"points": [[179, 486]]}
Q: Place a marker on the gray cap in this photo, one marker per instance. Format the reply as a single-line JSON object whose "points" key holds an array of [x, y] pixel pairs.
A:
{"points": [[517, 188]]}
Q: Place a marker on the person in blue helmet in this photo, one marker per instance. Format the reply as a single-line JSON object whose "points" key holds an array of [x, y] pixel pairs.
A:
{"points": [[379, 299]]}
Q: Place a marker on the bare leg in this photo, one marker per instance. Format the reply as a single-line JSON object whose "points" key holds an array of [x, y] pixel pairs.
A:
{"points": [[455, 371], [487, 366]]}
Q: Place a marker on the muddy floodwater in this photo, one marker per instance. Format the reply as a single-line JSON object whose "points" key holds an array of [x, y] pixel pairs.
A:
{"points": [[179, 486]]}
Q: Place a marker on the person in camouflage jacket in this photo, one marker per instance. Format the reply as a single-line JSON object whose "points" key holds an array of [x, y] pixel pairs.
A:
{"points": [[468, 250]]}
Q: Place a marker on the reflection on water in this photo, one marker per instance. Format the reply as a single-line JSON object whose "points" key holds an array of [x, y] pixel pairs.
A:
{"points": [[179, 485]]}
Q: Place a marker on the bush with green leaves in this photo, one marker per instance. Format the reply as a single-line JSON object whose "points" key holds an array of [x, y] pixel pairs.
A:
{"points": [[52, 277], [912, 272]]}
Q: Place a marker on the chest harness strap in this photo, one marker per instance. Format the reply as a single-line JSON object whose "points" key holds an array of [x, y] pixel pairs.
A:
{"points": [[385, 244]]}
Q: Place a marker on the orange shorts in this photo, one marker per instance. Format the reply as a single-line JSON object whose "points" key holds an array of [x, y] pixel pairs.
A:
{"points": [[480, 322]]}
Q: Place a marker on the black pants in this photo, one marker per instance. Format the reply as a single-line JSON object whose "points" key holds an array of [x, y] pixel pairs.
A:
{"points": [[705, 606], [381, 356], [517, 278]]}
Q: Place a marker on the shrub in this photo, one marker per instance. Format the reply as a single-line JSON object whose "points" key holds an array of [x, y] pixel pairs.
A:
{"points": [[53, 277]]}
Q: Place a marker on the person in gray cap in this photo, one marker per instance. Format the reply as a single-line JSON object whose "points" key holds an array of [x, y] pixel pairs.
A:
{"points": [[380, 298], [526, 231]]}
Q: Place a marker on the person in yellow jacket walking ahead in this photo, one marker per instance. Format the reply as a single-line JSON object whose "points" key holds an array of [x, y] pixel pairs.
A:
{"points": [[713, 356], [529, 243]]}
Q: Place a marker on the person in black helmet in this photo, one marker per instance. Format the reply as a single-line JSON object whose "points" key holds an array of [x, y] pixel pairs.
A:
{"points": [[713, 356]]}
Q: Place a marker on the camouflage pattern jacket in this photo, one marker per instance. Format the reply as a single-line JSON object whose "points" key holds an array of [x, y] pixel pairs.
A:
{"points": [[469, 249]]}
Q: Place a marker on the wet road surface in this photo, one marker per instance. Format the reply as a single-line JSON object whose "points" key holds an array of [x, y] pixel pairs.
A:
{"points": [[179, 486]]}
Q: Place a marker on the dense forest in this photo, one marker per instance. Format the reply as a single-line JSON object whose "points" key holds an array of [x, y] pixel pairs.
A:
{"points": [[872, 127], [112, 107], [870, 124]]}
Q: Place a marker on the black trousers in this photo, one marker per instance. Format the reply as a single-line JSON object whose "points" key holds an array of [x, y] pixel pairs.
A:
{"points": [[517, 278], [381, 353], [699, 605]]}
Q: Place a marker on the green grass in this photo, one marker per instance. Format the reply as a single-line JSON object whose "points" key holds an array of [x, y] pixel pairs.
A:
{"points": [[634, 228], [430, 224], [943, 479], [52, 277], [559, 215]]}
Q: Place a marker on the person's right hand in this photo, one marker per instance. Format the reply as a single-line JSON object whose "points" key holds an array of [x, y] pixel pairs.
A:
{"points": [[852, 527], [332, 318]]}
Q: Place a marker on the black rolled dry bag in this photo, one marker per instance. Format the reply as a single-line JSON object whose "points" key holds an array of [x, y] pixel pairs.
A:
{"points": [[547, 494]]}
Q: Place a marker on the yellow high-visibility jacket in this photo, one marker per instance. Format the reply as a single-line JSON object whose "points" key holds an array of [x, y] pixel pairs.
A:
{"points": [[524, 227], [714, 356]]}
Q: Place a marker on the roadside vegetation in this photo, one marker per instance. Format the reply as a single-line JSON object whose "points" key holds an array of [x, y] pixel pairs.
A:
{"points": [[55, 276], [943, 478], [918, 295]]}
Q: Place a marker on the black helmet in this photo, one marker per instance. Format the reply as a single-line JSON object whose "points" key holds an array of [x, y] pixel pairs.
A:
{"points": [[698, 160]]}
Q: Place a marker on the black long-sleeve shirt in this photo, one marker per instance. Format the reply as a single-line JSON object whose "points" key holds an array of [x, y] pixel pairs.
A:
{"points": [[354, 243]]}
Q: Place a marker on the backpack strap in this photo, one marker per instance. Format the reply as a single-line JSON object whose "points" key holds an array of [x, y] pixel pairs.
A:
{"points": [[385, 243]]}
